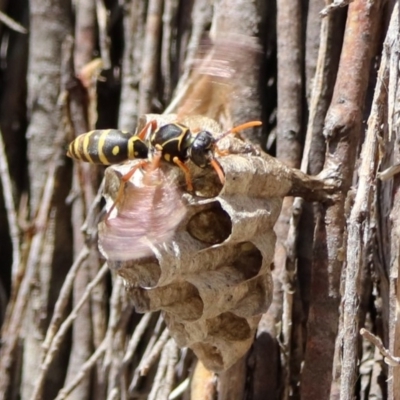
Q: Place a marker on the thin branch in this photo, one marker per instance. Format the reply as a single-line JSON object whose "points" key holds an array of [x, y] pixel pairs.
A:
{"points": [[58, 338], [150, 56], [84, 371], [14, 25], [63, 298], [359, 228], [147, 362], [158, 392], [135, 339], [377, 342], [333, 6], [11, 211], [342, 130], [11, 336], [149, 348], [102, 21]]}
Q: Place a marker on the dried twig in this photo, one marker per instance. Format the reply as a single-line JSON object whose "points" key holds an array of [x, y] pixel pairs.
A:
{"points": [[201, 16], [150, 55], [163, 380], [102, 21], [342, 131], [14, 25], [289, 122], [11, 336], [150, 344], [376, 341], [359, 229], [147, 362], [11, 212], [84, 371], [169, 21], [55, 344], [62, 300], [333, 6], [134, 341]]}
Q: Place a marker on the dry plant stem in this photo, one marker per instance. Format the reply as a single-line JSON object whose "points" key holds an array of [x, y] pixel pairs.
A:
{"points": [[161, 386], [115, 310], [112, 357], [55, 344], [89, 227], [84, 371], [11, 336], [81, 345], [85, 28], [231, 382], [14, 25], [133, 34], [342, 130], [63, 299], [201, 16], [179, 390], [393, 197], [116, 381], [94, 358], [312, 43], [289, 35], [104, 39], [150, 56], [134, 340], [148, 350], [377, 342], [169, 20], [314, 147], [333, 6], [11, 214], [359, 228], [289, 82], [147, 362]]}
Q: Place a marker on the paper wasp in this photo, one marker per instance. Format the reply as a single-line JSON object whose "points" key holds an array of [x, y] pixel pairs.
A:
{"points": [[176, 142]]}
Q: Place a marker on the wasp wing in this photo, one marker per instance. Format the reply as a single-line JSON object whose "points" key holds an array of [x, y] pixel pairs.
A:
{"points": [[148, 215], [219, 77]]}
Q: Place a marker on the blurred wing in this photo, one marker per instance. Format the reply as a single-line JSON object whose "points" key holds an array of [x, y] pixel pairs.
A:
{"points": [[216, 78], [147, 217]]}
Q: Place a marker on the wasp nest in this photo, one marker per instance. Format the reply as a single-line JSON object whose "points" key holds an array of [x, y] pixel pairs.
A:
{"points": [[211, 277]]}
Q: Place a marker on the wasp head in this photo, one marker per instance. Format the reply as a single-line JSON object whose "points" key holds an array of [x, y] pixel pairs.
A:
{"points": [[201, 150]]}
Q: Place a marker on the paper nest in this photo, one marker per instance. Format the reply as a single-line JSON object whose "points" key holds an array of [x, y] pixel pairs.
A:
{"points": [[212, 280]]}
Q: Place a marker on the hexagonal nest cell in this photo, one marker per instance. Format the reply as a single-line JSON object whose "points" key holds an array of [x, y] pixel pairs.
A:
{"points": [[211, 277]]}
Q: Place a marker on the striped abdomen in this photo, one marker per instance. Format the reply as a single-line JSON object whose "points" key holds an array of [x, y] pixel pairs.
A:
{"points": [[107, 146]]}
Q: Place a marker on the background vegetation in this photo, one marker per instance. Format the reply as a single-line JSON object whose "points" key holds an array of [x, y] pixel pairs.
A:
{"points": [[328, 96]]}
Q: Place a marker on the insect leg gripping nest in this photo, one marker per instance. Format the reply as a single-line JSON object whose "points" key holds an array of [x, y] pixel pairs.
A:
{"points": [[212, 279]]}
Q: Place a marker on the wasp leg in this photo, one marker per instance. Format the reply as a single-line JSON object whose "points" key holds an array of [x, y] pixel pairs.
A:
{"points": [[186, 171], [142, 133], [125, 178], [217, 167]]}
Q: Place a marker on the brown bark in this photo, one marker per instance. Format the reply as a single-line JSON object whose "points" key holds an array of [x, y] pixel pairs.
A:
{"points": [[343, 133]]}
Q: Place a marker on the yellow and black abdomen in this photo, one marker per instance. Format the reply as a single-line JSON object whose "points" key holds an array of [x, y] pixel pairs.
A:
{"points": [[107, 146], [173, 140]]}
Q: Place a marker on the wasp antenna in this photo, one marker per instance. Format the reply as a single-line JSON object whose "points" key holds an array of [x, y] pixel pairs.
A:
{"points": [[250, 124], [236, 129]]}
